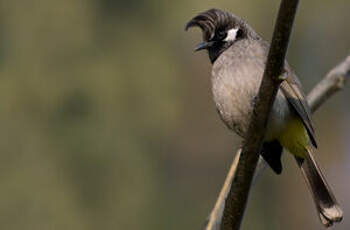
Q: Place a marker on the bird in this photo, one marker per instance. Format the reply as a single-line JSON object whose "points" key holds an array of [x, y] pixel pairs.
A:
{"points": [[238, 56]]}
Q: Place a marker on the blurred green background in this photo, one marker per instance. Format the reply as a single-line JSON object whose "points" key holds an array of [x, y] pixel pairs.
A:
{"points": [[107, 120]]}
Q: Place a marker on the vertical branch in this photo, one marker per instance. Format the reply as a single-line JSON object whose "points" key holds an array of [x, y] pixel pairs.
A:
{"points": [[238, 195]]}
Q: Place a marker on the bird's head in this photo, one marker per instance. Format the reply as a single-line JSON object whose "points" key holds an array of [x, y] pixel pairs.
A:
{"points": [[220, 30]]}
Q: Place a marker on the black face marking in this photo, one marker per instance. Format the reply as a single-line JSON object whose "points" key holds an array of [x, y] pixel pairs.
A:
{"points": [[239, 34]]}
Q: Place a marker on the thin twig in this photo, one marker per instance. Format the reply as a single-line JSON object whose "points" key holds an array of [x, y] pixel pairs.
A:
{"points": [[215, 217], [333, 82], [237, 197]]}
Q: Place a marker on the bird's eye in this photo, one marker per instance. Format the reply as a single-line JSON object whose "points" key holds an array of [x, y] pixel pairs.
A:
{"points": [[221, 35]]}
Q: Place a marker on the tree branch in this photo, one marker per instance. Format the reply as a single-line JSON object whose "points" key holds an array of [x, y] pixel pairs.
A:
{"points": [[238, 195], [333, 82]]}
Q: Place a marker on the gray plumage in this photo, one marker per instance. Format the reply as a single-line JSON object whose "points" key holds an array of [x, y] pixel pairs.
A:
{"points": [[235, 86], [239, 56]]}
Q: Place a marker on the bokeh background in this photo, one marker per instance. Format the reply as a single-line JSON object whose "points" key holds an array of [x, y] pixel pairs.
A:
{"points": [[107, 120]]}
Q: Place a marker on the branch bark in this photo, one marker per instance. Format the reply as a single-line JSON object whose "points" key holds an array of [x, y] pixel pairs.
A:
{"points": [[238, 194], [333, 82]]}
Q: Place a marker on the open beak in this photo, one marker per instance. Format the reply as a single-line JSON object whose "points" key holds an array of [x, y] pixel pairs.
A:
{"points": [[204, 45]]}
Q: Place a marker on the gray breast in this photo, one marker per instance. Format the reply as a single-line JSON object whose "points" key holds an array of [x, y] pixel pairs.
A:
{"points": [[236, 77]]}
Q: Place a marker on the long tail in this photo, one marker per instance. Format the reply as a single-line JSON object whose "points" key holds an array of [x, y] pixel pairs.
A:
{"points": [[327, 205]]}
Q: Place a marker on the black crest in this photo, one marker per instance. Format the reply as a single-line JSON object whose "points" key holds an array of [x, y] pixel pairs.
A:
{"points": [[215, 20]]}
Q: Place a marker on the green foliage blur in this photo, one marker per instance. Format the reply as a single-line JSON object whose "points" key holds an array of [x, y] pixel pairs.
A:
{"points": [[107, 120]]}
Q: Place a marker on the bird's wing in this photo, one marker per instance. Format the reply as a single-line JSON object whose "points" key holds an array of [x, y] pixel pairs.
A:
{"points": [[291, 89]]}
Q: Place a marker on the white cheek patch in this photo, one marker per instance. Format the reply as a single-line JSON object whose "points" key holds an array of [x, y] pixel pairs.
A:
{"points": [[231, 35]]}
